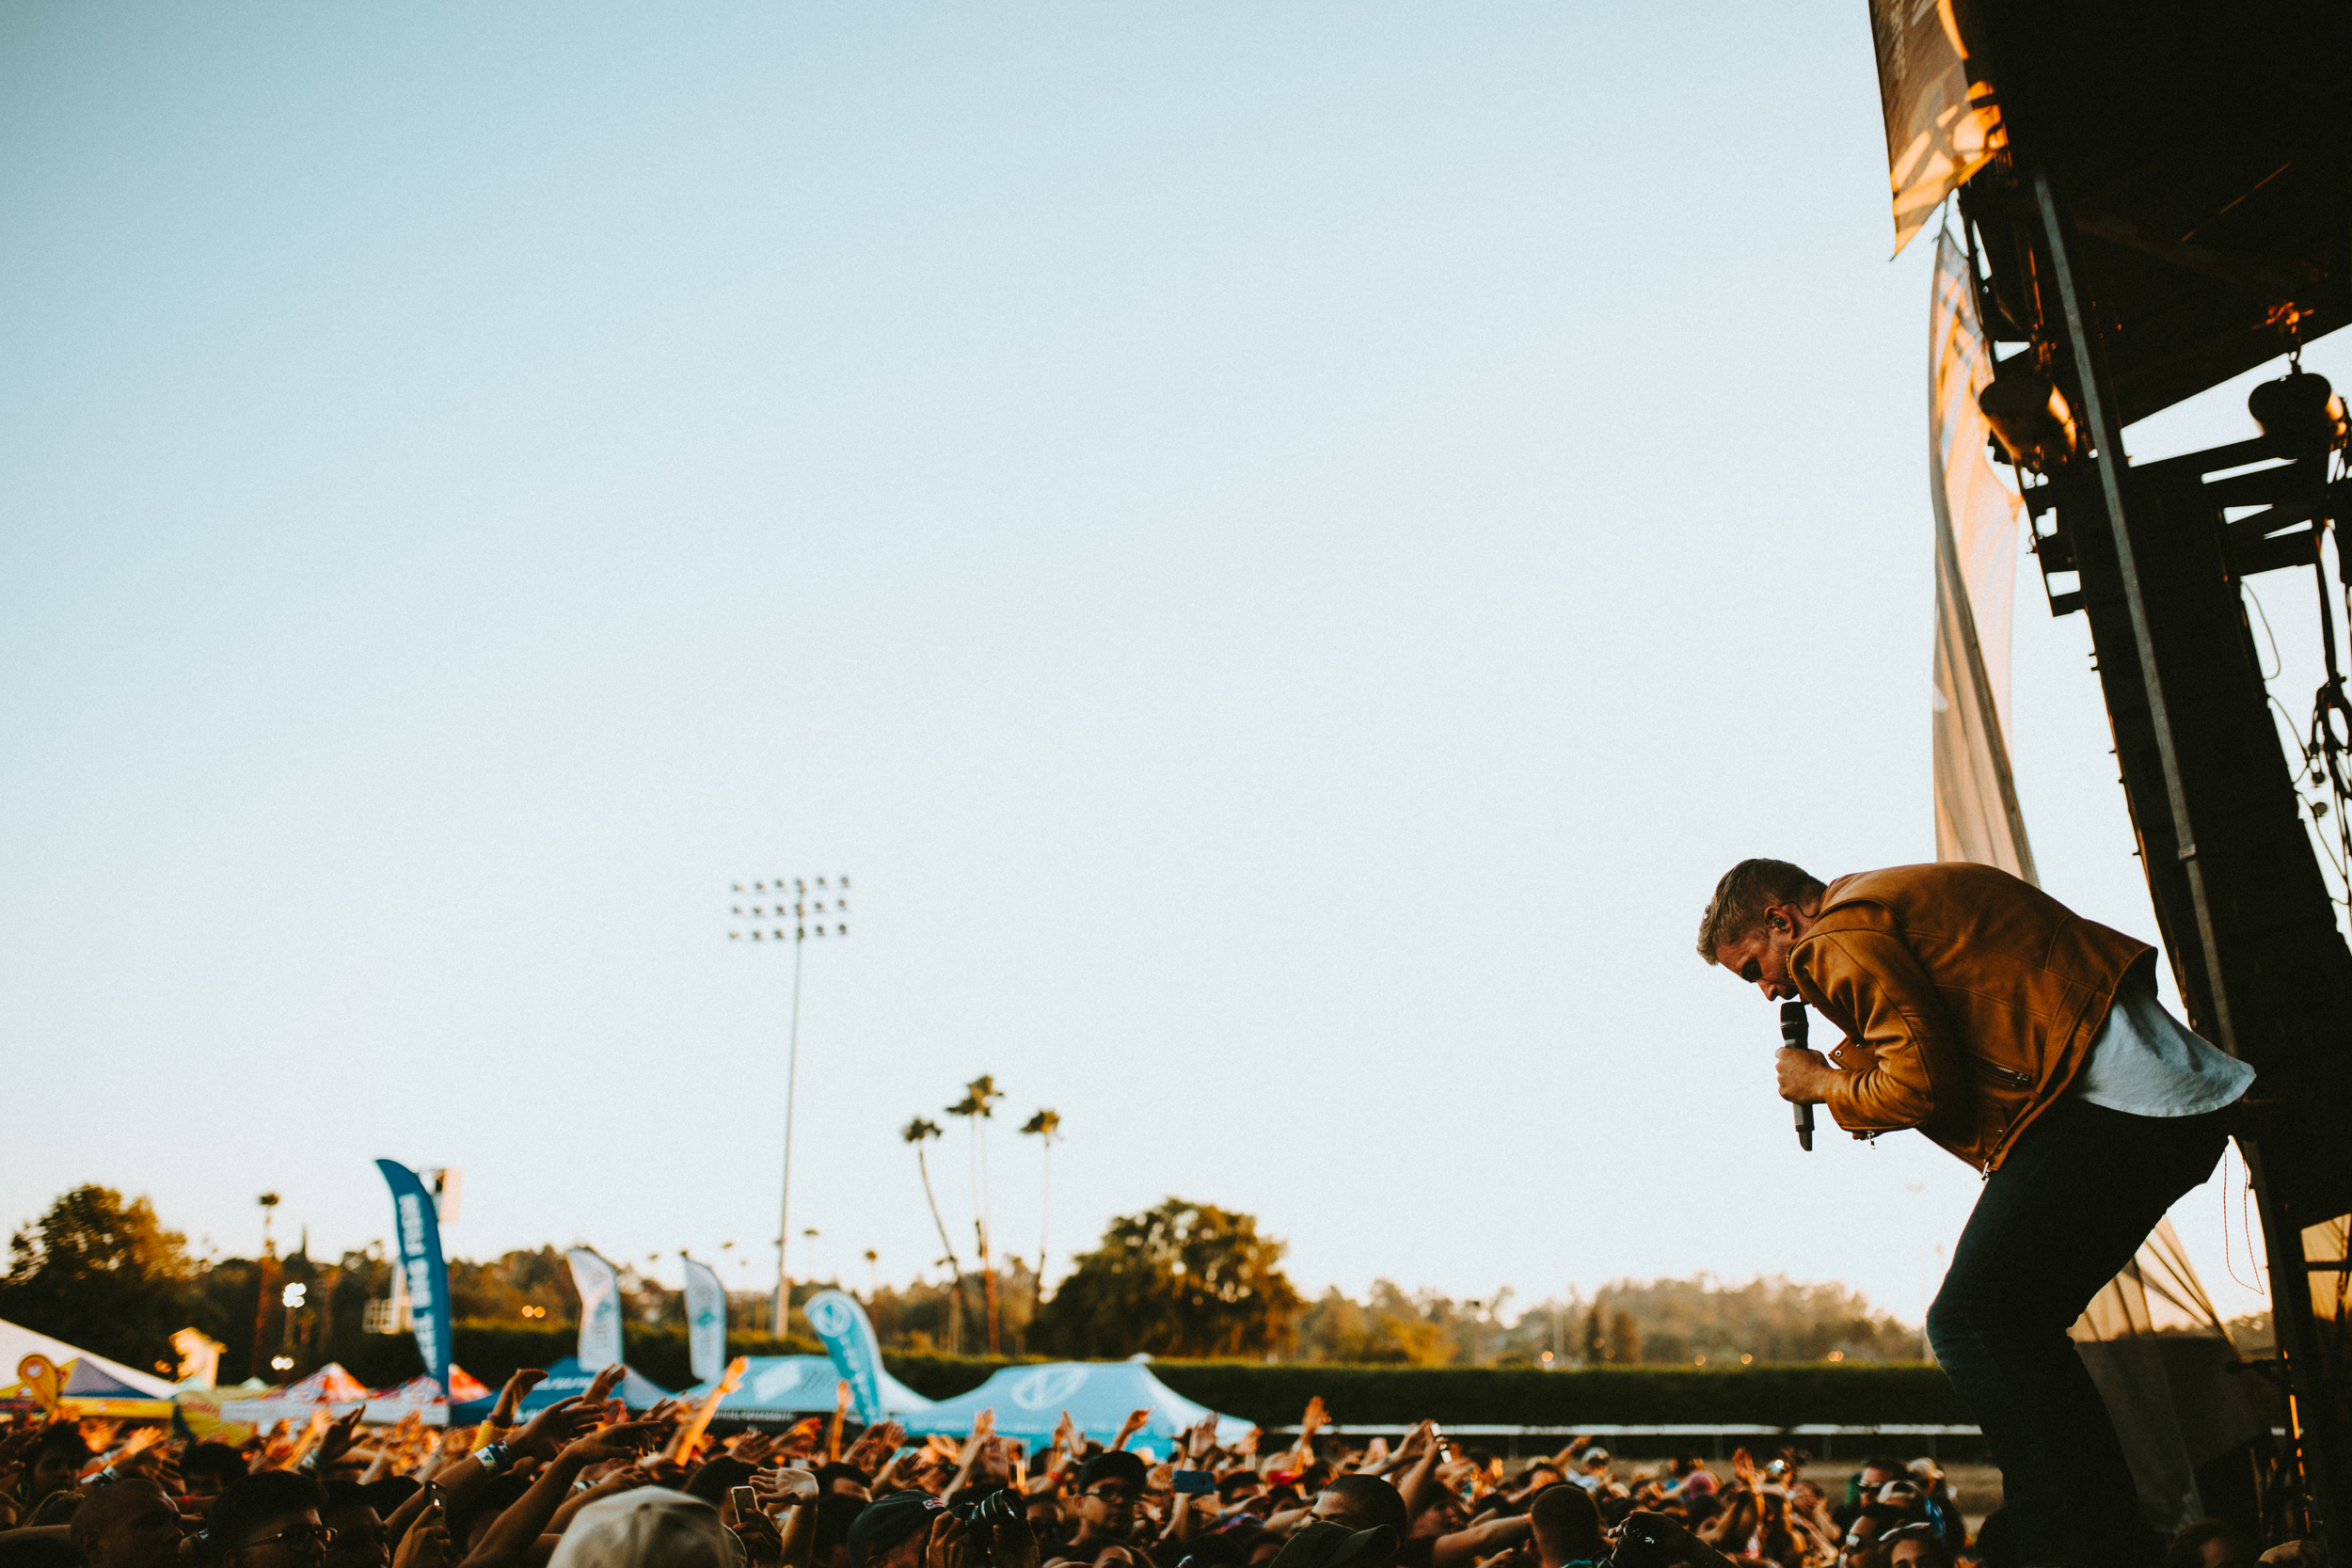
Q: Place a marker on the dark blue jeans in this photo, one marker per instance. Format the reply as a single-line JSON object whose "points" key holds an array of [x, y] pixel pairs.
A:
{"points": [[2066, 1210]]}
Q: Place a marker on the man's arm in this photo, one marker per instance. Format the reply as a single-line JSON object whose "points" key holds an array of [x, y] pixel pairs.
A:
{"points": [[1468, 1545], [1904, 1054]]}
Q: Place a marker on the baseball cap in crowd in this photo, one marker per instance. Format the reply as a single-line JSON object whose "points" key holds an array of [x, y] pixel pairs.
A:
{"points": [[1321, 1544], [886, 1521], [1117, 1465], [649, 1527]]}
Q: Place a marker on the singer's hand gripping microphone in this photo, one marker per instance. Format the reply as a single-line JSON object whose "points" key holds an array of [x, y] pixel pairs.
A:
{"points": [[1792, 1024]]}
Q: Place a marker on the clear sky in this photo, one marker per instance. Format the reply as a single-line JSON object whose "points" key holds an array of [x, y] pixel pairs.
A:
{"points": [[1283, 548]]}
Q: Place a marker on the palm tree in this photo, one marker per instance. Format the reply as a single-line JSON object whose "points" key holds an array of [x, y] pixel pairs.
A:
{"points": [[978, 1105], [918, 1131], [1044, 1127]]}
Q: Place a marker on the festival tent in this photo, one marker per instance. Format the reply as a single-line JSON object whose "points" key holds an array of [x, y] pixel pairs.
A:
{"points": [[232, 1415], [786, 1388], [329, 1385], [88, 1385], [565, 1378], [1098, 1395]]}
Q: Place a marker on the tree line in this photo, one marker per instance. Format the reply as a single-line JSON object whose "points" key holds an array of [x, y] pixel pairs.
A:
{"points": [[1182, 1280]]}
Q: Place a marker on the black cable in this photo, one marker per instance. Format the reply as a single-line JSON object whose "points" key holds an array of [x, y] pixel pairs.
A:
{"points": [[2328, 751]]}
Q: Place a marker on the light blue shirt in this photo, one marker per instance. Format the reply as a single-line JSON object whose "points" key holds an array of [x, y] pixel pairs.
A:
{"points": [[2146, 1062]]}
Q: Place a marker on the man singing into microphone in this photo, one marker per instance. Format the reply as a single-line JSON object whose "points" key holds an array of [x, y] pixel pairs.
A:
{"points": [[2029, 1042]]}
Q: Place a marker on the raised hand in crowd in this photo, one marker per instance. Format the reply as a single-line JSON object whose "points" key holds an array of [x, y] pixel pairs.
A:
{"points": [[131, 1458], [840, 1415], [511, 1536], [787, 1485], [763, 1542], [983, 1428], [501, 1417], [606, 1479], [803, 1435], [874, 1446], [392, 1450], [335, 1438], [600, 1386], [1199, 1445], [425, 1545], [277, 1445], [161, 1464], [781, 1529], [1068, 1440], [1136, 1420], [545, 1434], [1419, 1483], [1311, 1422], [887, 1479]]}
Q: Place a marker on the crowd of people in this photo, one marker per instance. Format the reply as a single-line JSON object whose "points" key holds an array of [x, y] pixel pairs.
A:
{"points": [[585, 1483]]}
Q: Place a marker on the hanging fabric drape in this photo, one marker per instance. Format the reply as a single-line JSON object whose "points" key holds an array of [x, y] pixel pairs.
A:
{"points": [[1977, 814], [1943, 120], [2161, 1358], [2157, 1292]]}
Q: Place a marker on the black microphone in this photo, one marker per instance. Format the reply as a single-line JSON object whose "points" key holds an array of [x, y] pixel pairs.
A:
{"points": [[1792, 1024]]}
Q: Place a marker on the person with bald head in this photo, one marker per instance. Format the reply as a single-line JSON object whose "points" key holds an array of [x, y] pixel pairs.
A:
{"points": [[1567, 1523], [131, 1523]]}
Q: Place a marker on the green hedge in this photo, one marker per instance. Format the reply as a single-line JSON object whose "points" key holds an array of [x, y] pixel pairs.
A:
{"points": [[1865, 1394], [1613, 1396], [1853, 1394]]}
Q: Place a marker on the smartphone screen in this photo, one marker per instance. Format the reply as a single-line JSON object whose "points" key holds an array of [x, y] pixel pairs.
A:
{"points": [[745, 1504]]}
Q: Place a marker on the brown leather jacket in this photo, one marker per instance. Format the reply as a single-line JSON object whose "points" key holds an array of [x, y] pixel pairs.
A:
{"points": [[1969, 999]]}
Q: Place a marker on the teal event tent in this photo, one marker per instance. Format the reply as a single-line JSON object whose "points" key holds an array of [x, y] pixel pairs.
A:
{"points": [[787, 1387], [1098, 1395], [565, 1378]]}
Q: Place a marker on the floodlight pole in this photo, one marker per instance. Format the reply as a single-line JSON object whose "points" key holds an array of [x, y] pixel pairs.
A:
{"points": [[781, 1316], [805, 915]]}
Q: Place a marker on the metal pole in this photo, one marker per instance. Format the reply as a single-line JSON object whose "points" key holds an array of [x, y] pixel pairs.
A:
{"points": [[791, 1084], [2107, 441]]}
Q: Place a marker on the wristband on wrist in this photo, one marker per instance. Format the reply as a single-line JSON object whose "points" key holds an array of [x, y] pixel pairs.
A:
{"points": [[493, 1457]]}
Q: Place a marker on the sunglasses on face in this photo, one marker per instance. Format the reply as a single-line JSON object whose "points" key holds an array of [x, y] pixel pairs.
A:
{"points": [[1112, 1494], [301, 1538]]}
